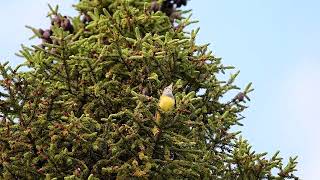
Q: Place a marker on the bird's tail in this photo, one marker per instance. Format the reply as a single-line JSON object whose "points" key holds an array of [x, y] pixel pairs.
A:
{"points": [[157, 117]]}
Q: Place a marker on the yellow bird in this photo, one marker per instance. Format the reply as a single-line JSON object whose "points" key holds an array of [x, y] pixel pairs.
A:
{"points": [[166, 102]]}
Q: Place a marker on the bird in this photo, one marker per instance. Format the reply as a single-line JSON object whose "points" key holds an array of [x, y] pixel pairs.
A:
{"points": [[166, 101]]}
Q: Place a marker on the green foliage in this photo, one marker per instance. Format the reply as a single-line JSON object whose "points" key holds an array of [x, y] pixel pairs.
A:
{"points": [[85, 108]]}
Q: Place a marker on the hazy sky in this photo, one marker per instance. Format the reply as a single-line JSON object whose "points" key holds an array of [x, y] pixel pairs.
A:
{"points": [[274, 44]]}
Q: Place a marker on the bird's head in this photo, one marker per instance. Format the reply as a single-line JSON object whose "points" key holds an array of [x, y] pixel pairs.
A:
{"points": [[167, 91]]}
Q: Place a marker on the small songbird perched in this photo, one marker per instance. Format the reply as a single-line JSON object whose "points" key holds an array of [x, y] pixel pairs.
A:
{"points": [[166, 102]]}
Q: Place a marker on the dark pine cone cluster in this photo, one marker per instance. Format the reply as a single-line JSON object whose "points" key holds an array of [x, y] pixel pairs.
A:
{"points": [[86, 18], [60, 21], [169, 7], [45, 35]]}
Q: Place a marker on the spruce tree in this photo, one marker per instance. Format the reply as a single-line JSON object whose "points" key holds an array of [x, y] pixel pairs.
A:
{"points": [[85, 106]]}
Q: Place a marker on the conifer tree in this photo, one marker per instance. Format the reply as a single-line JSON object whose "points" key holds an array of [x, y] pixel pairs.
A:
{"points": [[85, 108]]}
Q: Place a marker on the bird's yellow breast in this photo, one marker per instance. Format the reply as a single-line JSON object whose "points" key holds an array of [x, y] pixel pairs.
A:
{"points": [[166, 103]]}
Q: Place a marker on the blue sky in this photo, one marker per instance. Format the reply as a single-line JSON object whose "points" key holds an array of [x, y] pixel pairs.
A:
{"points": [[274, 43]]}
